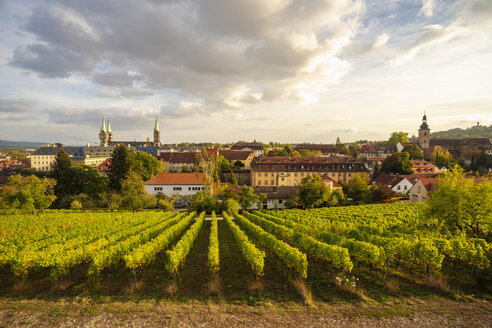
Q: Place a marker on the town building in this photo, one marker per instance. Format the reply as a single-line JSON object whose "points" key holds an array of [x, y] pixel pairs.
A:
{"points": [[419, 166], [398, 183], [179, 161], [106, 137], [421, 189], [244, 157], [376, 151], [325, 150], [458, 148], [175, 184], [254, 146], [276, 196], [289, 171], [42, 158]]}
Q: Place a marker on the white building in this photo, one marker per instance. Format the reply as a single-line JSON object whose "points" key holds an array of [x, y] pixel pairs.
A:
{"points": [[172, 184]]}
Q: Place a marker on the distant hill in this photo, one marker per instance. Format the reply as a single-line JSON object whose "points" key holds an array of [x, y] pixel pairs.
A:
{"points": [[477, 131], [19, 144]]}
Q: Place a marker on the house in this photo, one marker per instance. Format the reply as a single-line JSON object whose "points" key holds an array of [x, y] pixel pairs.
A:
{"points": [[276, 196], [421, 189], [420, 166], [245, 157], [325, 149], [103, 168], [376, 151], [42, 158], [179, 161], [175, 184], [398, 183], [289, 171], [249, 146], [330, 183]]}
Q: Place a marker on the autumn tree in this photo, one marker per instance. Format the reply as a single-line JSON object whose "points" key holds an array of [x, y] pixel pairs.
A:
{"points": [[27, 193], [460, 205], [133, 193]]}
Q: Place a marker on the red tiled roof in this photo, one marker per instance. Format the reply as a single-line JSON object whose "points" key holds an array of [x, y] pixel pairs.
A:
{"points": [[104, 166], [179, 157], [250, 145], [430, 183], [235, 155], [333, 182], [176, 179]]}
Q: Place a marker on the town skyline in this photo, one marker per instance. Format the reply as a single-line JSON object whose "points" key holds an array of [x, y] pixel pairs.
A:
{"points": [[286, 71]]}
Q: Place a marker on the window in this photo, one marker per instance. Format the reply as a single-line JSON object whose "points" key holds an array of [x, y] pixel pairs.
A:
{"points": [[280, 201], [157, 188], [259, 174], [259, 182], [295, 182], [266, 182], [189, 188], [398, 187], [177, 188], [272, 182], [405, 187], [419, 189], [288, 182], [302, 174], [295, 174], [273, 175]]}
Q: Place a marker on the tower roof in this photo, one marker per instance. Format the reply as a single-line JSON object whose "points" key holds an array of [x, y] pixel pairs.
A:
{"points": [[103, 125], [424, 125], [109, 126], [156, 127]]}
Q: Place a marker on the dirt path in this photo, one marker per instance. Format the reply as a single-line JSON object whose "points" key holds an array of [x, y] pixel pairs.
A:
{"points": [[84, 313]]}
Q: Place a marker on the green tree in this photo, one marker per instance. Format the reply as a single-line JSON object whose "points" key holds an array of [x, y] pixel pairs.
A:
{"points": [[397, 163], [376, 171], [358, 188], [145, 165], [233, 179], [203, 201], [312, 192], [460, 205], [397, 137], [61, 172], [27, 193], [247, 197], [133, 193], [119, 169], [414, 151], [230, 205], [353, 149]]}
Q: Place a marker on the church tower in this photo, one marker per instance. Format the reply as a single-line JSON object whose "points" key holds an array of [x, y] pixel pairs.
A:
{"points": [[157, 134], [103, 134], [424, 134], [110, 133]]}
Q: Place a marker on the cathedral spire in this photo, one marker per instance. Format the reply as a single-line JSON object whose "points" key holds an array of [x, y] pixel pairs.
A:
{"points": [[103, 125], [156, 127], [109, 126]]}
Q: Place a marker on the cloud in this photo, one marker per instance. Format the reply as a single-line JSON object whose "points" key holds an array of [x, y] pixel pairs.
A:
{"points": [[429, 36], [428, 7], [8, 105], [376, 44], [193, 47]]}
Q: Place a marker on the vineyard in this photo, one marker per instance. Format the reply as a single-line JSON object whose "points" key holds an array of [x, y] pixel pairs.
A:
{"points": [[355, 251]]}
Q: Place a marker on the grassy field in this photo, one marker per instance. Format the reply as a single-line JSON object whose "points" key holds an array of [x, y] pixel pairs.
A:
{"points": [[235, 297]]}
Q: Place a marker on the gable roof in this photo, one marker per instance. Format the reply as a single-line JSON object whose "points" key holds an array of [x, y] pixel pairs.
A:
{"points": [[235, 155], [176, 179], [334, 184], [179, 157], [281, 192], [244, 145]]}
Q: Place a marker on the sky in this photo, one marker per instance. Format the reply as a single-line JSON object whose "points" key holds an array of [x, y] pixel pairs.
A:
{"points": [[222, 71]]}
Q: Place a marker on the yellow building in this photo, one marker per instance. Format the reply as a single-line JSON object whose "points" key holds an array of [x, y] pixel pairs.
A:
{"points": [[289, 171], [43, 157]]}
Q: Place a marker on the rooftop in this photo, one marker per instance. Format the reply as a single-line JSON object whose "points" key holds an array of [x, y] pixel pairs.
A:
{"points": [[177, 179]]}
